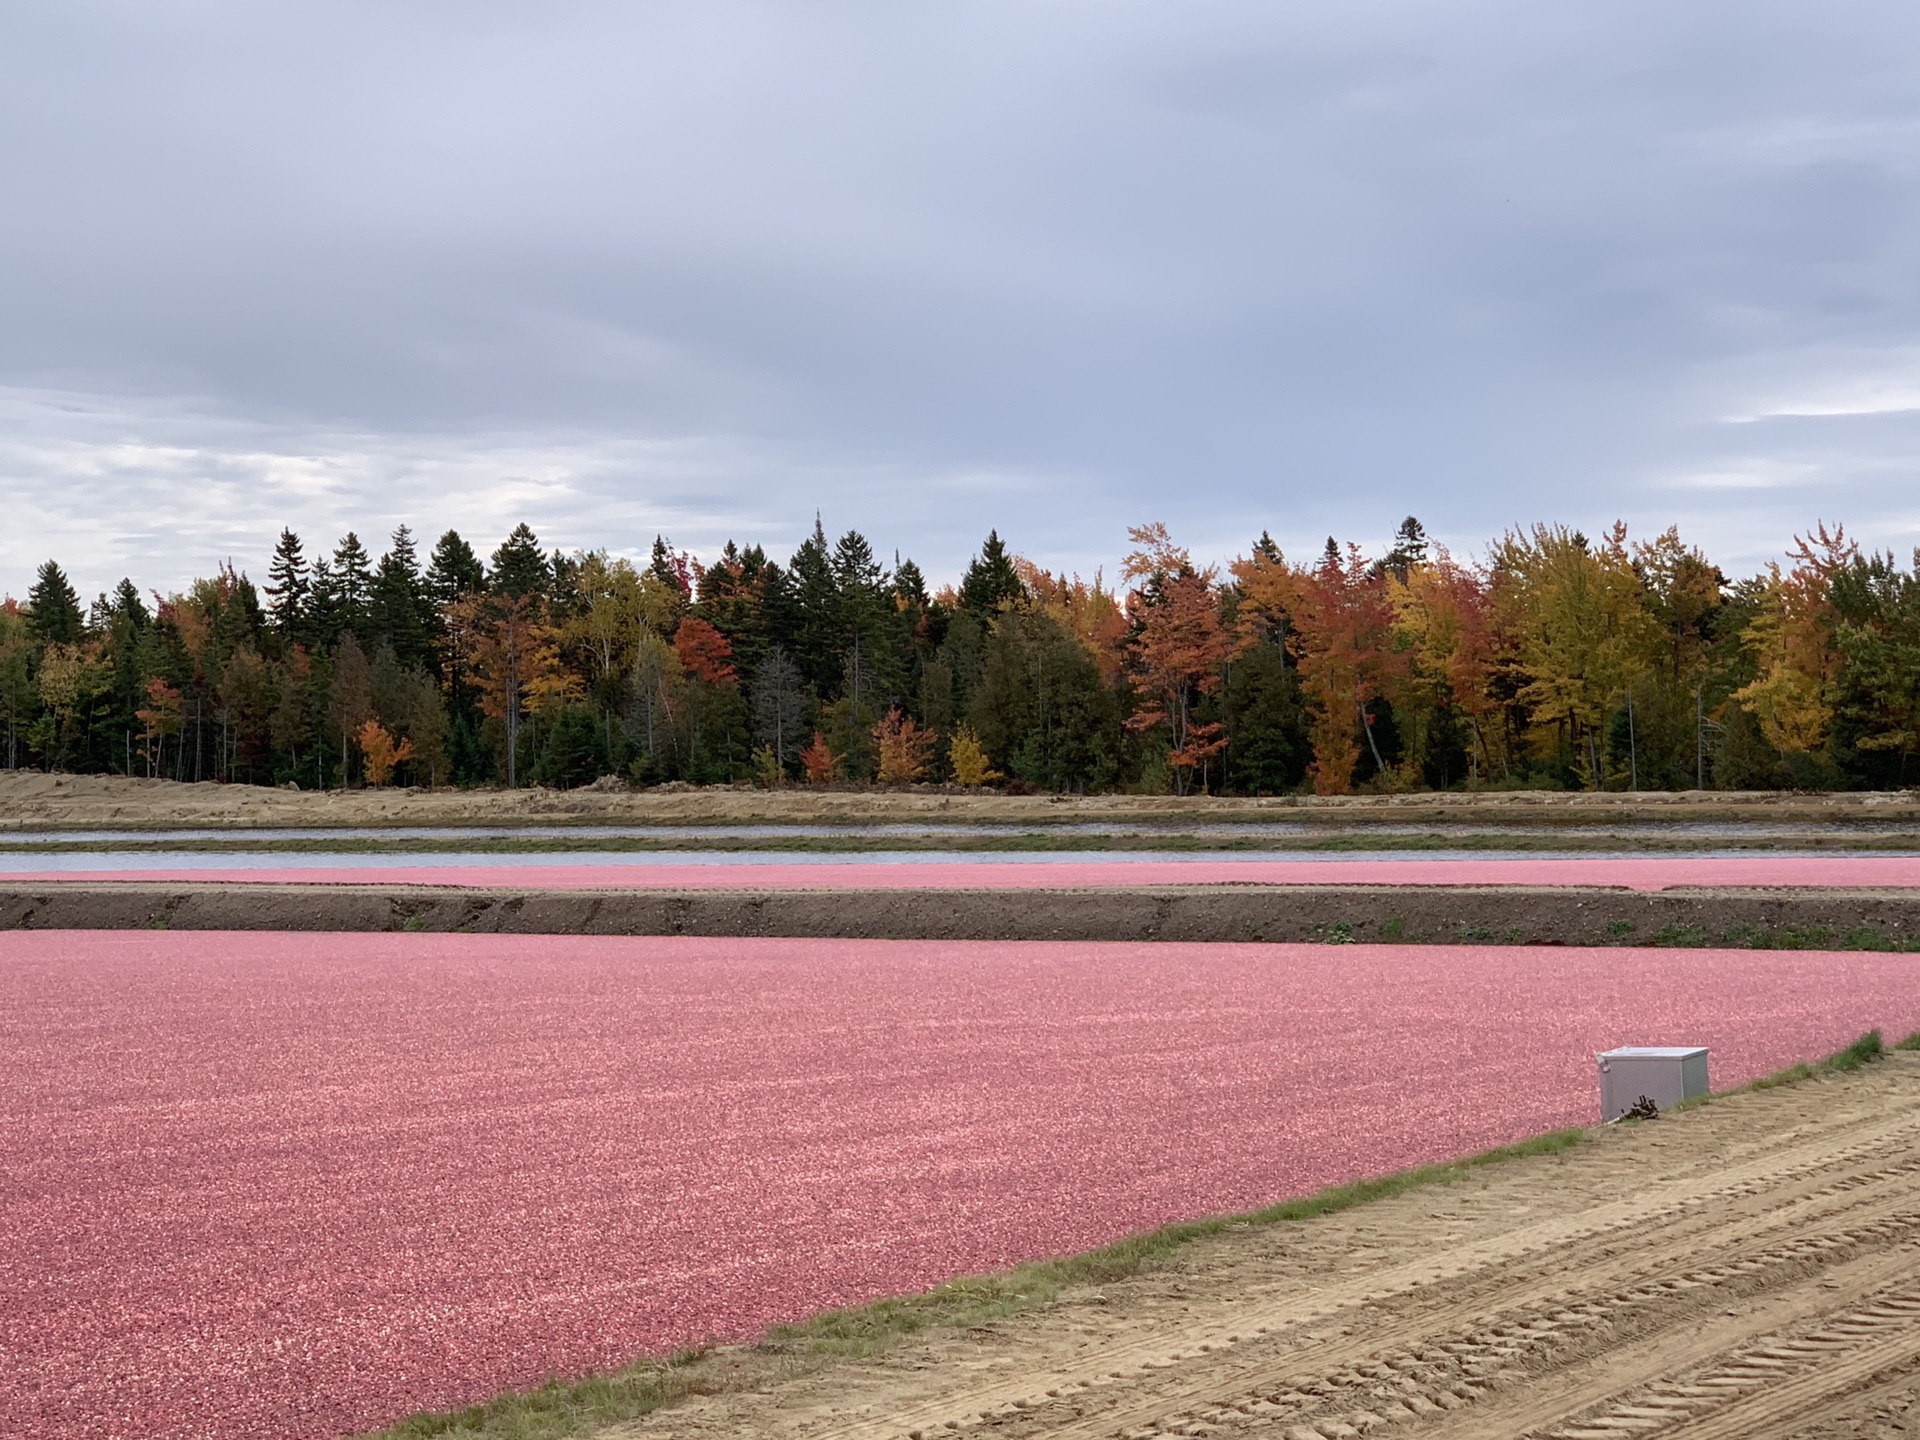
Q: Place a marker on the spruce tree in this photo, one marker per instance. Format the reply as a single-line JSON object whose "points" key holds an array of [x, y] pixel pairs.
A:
{"points": [[867, 628], [401, 610], [990, 581], [565, 584], [53, 608], [128, 606], [289, 588], [1409, 548], [324, 614], [454, 571], [808, 609], [519, 567], [910, 585], [353, 582], [668, 568]]}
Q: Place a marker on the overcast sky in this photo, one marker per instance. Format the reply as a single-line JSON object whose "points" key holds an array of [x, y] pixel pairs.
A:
{"points": [[1055, 266]]}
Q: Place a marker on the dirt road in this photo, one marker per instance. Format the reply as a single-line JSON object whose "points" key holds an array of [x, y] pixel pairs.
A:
{"points": [[1749, 1269]]}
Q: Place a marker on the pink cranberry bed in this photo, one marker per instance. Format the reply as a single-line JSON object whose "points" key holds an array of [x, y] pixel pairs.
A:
{"points": [[301, 1185]]}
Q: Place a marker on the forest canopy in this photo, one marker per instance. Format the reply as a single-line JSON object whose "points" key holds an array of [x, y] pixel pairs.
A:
{"points": [[1556, 661]]}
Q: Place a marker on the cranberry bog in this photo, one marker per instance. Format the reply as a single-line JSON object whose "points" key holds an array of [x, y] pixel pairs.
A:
{"points": [[301, 1185]]}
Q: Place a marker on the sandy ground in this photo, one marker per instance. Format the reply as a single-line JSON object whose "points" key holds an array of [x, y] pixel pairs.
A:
{"points": [[32, 800], [1455, 914], [1749, 1269]]}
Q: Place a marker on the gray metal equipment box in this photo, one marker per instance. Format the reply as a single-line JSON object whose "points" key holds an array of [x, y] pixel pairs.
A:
{"points": [[1665, 1074]]}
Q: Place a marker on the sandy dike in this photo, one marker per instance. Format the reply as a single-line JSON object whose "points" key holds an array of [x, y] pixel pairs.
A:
{"points": [[1434, 914], [30, 800]]}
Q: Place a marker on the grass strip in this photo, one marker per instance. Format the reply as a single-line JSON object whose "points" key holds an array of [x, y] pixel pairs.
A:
{"points": [[562, 1408], [1868, 1048]]}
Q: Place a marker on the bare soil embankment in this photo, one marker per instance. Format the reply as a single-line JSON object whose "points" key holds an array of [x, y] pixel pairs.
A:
{"points": [[1745, 1271], [1868, 919], [30, 800]]}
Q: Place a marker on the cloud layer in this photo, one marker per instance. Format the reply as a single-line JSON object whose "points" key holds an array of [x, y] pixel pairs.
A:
{"points": [[620, 268]]}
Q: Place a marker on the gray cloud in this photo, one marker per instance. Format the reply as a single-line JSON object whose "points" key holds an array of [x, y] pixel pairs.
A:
{"points": [[1056, 268]]}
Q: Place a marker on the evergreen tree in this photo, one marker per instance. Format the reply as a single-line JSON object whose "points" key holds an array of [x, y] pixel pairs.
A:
{"points": [[990, 581], [325, 614], [353, 583], [1409, 548], [808, 628], [1041, 708], [869, 620], [129, 607], [289, 589], [53, 608], [909, 585], [454, 571], [519, 568], [402, 611], [1266, 717], [565, 588], [670, 568]]}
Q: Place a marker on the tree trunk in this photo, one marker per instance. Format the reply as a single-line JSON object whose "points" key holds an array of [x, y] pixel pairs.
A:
{"points": [[1633, 747], [1366, 724]]}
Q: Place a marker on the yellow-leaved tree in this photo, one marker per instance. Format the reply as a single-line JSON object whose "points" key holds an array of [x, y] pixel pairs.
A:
{"points": [[1791, 639], [969, 760], [1583, 627]]}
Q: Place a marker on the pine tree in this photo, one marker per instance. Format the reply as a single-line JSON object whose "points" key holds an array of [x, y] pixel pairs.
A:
{"points": [[53, 607], [519, 568], [324, 611], [454, 571], [401, 610], [128, 606], [670, 567], [289, 589], [807, 608], [353, 583], [990, 581], [1409, 548], [909, 584]]}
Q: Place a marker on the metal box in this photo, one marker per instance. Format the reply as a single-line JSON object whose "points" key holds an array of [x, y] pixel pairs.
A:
{"points": [[1665, 1074]]}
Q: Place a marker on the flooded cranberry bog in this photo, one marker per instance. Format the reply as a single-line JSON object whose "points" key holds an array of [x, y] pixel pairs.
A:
{"points": [[300, 1185]]}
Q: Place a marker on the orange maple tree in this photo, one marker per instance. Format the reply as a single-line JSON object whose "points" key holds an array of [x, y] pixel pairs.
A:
{"points": [[819, 762], [704, 652], [1177, 648], [512, 657], [901, 748], [159, 718], [1338, 621], [381, 751]]}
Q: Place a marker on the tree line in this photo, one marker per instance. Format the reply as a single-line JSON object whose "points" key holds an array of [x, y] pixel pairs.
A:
{"points": [[1555, 661]]}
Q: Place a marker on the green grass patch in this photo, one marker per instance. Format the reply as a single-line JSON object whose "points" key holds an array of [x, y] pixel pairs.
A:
{"points": [[1864, 1051], [1680, 936], [1809, 937]]}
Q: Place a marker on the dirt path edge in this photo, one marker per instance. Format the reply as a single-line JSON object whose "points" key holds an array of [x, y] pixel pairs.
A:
{"points": [[1864, 919]]}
